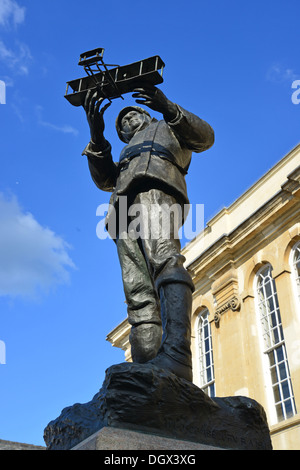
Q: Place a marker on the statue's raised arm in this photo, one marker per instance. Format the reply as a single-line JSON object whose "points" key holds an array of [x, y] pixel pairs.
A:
{"points": [[95, 117]]}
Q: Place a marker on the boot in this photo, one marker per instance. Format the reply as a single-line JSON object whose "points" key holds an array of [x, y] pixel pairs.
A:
{"points": [[145, 340], [175, 353]]}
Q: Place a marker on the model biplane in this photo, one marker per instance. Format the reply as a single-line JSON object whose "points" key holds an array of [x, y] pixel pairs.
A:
{"points": [[112, 82]]}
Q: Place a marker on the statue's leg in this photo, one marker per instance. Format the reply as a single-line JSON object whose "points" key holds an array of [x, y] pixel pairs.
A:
{"points": [[175, 287], [175, 351], [142, 301]]}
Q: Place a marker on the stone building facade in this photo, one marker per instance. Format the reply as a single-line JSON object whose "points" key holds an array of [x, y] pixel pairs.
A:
{"points": [[245, 266]]}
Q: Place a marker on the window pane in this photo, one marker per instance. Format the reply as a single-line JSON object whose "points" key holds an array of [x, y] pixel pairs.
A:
{"points": [[277, 395], [279, 354], [289, 408], [279, 412], [261, 294], [285, 389], [274, 376], [268, 290], [273, 320], [275, 336], [271, 309], [207, 359], [272, 358], [212, 391], [282, 371]]}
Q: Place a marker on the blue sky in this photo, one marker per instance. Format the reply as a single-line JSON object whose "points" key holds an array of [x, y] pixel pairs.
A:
{"points": [[230, 62]]}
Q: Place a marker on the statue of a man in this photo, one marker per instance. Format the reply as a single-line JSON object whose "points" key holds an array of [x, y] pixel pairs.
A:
{"points": [[151, 171]]}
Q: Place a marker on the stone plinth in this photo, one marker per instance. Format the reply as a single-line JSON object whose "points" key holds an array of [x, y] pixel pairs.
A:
{"points": [[122, 439], [139, 397]]}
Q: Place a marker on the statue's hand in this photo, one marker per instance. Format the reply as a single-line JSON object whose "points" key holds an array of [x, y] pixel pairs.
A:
{"points": [[94, 116], [155, 99]]}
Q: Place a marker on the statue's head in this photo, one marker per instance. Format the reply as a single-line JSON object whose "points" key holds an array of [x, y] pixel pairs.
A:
{"points": [[131, 120]]}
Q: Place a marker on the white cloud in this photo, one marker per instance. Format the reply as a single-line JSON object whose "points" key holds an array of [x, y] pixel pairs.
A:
{"points": [[17, 57], [11, 12], [66, 129], [5, 53], [33, 259], [17, 60], [278, 74]]}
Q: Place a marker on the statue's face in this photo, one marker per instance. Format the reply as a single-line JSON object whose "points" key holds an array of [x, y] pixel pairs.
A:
{"points": [[131, 122]]}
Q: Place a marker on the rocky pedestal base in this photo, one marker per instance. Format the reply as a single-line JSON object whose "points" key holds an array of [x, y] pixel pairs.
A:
{"points": [[139, 397]]}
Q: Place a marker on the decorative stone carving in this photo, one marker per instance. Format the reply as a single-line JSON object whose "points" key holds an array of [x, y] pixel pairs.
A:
{"points": [[233, 304]]}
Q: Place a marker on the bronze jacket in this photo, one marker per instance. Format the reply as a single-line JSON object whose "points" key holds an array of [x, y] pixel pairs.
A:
{"points": [[157, 156]]}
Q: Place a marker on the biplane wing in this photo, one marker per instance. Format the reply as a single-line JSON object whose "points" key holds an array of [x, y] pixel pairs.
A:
{"points": [[112, 83]]}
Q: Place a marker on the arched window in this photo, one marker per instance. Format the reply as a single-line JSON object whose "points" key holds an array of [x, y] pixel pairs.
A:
{"points": [[295, 261], [274, 344], [205, 351]]}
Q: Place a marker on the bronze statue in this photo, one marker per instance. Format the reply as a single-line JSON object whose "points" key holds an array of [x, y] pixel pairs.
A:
{"points": [[154, 393], [151, 170]]}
